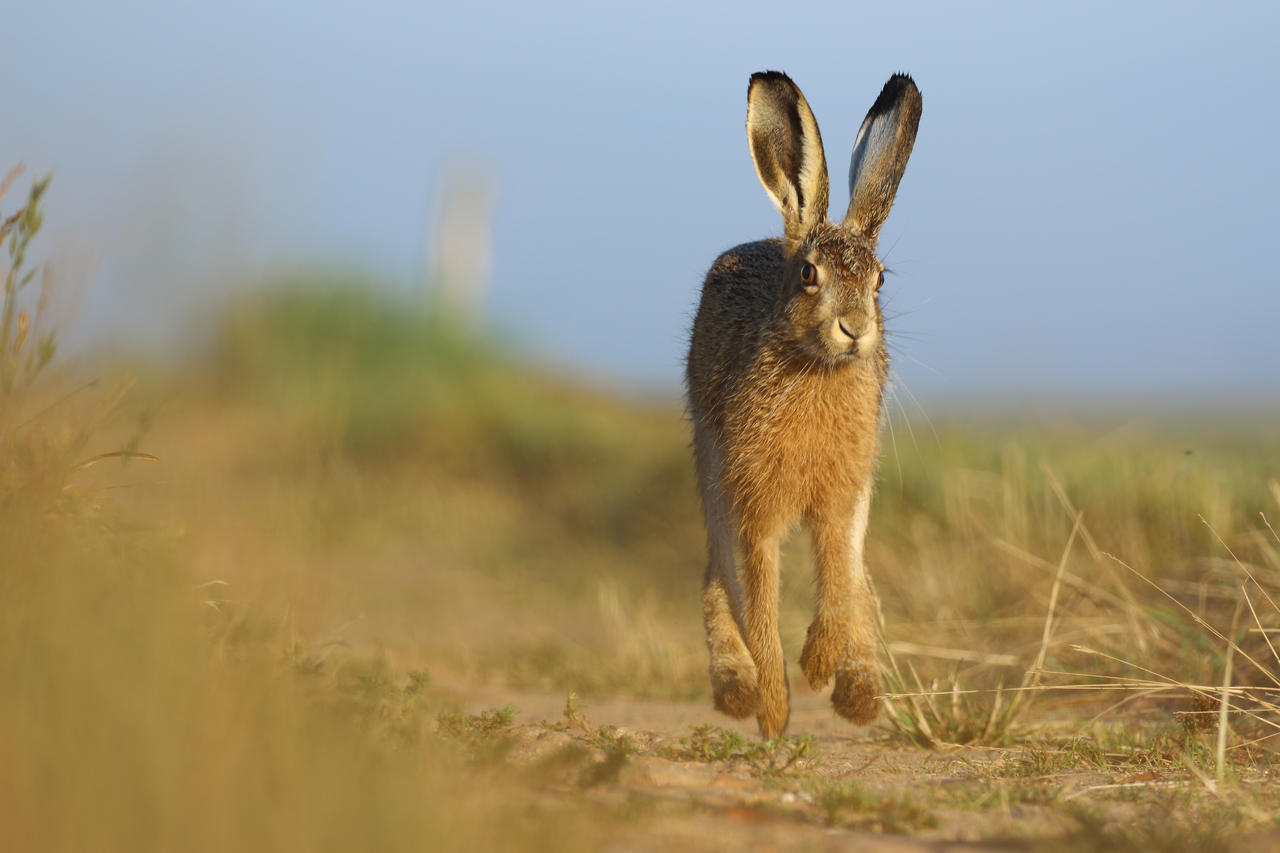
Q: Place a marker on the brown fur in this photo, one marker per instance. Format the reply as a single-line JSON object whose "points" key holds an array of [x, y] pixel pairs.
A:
{"points": [[785, 406]]}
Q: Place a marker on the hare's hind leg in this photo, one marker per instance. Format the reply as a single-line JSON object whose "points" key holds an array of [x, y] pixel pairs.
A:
{"points": [[842, 637], [733, 674], [734, 681]]}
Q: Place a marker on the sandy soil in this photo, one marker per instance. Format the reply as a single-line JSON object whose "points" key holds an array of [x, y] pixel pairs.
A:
{"points": [[858, 789]]}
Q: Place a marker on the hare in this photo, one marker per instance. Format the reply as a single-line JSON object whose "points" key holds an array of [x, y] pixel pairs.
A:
{"points": [[786, 370]]}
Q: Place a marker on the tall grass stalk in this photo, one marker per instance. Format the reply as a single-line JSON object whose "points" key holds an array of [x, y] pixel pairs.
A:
{"points": [[25, 348]]}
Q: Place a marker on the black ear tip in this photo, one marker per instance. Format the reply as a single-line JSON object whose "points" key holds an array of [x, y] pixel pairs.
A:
{"points": [[899, 88], [901, 84], [769, 78]]}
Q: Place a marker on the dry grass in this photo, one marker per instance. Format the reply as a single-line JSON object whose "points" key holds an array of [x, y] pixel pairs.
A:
{"points": [[247, 624]]}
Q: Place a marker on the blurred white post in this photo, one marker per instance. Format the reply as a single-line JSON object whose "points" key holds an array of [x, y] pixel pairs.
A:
{"points": [[460, 240]]}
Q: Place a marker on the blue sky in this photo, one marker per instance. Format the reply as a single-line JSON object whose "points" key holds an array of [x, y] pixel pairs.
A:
{"points": [[1089, 209]]}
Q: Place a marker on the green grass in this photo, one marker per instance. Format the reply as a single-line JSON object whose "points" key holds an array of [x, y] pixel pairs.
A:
{"points": [[848, 805], [769, 757]]}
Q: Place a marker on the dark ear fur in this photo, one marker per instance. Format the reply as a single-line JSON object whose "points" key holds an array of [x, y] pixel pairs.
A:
{"points": [[880, 154], [787, 150]]}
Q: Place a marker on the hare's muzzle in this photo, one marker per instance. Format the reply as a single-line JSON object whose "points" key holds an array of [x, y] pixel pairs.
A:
{"points": [[852, 338], [845, 329]]}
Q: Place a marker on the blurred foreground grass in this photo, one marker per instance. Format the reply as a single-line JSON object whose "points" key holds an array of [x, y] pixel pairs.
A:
{"points": [[359, 506]]}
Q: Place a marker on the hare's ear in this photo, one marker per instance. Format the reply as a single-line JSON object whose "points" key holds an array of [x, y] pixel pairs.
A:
{"points": [[880, 154], [787, 151]]}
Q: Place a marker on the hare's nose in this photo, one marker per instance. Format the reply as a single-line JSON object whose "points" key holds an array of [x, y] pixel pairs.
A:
{"points": [[849, 333]]}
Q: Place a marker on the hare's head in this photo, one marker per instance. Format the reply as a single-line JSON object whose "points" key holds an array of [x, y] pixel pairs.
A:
{"points": [[832, 277]]}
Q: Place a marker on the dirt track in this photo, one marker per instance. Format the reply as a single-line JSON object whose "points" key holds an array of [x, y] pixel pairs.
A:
{"points": [[858, 788]]}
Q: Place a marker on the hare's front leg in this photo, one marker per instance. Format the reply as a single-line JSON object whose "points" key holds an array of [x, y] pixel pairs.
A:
{"points": [[842, 638], [760, 577]]}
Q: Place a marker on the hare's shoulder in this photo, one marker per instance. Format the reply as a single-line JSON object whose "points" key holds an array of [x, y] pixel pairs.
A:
{"points": [[738, 298], [742, 284], [747, 267]]}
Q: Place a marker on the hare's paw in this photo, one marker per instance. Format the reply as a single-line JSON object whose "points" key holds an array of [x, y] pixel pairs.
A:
{"points": [[822, 651], [735, 687], [775, 694], [859, 687], [775, 712]]}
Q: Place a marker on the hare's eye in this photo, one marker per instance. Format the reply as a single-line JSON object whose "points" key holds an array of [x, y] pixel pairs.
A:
{"points": [[880, 280], [808, 273]]}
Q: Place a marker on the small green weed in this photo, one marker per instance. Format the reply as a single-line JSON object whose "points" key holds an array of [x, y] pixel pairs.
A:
{"points": [[484, 724], [573, 712], [713, 743], [770, 757], [483, 734], [609, 739]]}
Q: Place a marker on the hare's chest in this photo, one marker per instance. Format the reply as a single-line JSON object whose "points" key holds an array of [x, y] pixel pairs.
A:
{"points": [[809, 450]]}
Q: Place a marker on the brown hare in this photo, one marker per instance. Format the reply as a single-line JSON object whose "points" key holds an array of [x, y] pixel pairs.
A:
{"points": [[786, 370]]}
